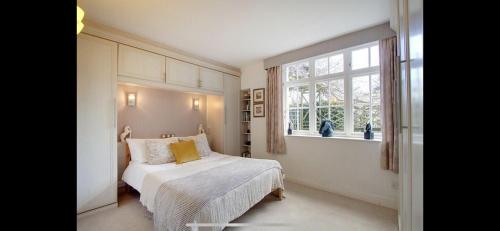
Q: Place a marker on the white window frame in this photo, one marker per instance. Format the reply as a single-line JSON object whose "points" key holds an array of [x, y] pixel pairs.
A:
{"points": [[347, 75]]}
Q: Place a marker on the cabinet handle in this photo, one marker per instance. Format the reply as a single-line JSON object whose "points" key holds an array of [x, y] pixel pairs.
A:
{"points": [[225, 114]]}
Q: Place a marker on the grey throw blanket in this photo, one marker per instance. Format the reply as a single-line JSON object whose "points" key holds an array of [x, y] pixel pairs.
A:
{"points": [[178, 201]]}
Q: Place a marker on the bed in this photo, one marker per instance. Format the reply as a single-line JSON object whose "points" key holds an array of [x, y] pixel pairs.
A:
{"points": [[217, 188]]}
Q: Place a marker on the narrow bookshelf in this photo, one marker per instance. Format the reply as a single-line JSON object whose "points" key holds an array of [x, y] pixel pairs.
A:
{"points": [[246, 119]]}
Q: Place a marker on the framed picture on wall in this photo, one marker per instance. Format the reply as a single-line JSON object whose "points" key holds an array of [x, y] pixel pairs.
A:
{"points": [[259, 95], [259, 110]]}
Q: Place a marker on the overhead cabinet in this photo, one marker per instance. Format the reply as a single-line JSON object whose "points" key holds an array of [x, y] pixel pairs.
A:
{"points": [[140, 64], [211, 80], [182, 73]]}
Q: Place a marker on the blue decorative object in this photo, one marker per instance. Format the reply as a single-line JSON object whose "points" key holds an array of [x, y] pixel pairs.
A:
{"points": [[326, 128], [368, 132], [289, 128]]}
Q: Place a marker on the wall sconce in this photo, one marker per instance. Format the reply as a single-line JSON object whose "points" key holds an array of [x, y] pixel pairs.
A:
{"points": [[131, 99], [196, 104]]}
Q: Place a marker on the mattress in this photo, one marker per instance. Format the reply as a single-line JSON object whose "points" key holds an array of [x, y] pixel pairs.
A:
{"points": [[135, 172]]}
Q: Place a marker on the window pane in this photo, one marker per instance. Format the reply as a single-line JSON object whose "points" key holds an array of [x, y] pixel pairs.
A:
{"points": [[360, 59], [304, 119], [337, 92], [374, 56], [361, 102], [375, 87], [321, 114], [303, 70], [376, 122], [321, 66], [292, 97], [322, 94], [337, 116], [303, 96], [337, 103], [361, 89], [293, 118], [361, 114], [336, 63], [291, 72], [298, 104]]}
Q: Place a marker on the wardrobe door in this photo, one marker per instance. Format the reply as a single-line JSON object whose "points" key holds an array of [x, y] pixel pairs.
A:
{"points": [[231, 115], [96, 126], [141, 64]]}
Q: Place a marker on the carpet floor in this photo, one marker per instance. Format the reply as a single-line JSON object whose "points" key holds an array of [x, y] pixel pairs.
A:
{"points": [[303, 208]]}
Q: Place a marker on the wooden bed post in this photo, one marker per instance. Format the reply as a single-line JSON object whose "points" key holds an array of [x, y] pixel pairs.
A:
{"points": [[280, 193], [127, 158]]}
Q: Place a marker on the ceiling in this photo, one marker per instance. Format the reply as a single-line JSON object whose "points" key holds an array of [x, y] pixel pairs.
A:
{"points": [[235, 32]]}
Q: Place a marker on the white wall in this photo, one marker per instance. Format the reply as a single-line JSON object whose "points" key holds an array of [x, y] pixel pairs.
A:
{"points": [[347, 167]]}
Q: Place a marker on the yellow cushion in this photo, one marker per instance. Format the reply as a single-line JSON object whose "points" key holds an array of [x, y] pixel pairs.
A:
{"points": [[184, 151]]}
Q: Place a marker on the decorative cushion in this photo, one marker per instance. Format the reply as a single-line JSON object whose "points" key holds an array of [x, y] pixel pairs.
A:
{"points": [[201, 143], [138, 150], [184, 151], [158, 151]]}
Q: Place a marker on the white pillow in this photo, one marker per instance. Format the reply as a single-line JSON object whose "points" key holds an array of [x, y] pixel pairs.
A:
{"points": [[138, 149], [201, 143], [158, 151]]}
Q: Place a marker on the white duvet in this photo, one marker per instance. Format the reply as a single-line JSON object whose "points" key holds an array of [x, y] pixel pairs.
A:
{"points": [[135, 172], [147, 179]]}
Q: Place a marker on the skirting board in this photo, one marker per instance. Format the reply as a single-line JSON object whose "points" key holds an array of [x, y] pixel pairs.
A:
{"points": [[96, 210], [373, 199]]}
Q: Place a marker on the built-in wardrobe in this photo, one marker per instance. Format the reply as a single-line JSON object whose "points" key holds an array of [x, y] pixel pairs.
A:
{"points": [[105, 59]]}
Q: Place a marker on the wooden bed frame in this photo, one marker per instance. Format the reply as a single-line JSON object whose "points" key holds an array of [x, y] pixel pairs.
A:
{"points": [[279, 193]]}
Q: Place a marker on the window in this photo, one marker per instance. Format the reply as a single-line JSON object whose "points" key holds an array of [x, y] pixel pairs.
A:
{"points": [[299, 107], [342, 86]]}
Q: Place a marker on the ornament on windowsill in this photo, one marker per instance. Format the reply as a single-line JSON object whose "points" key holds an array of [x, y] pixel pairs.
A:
{"points": [[326, 128], [289, 128], [368, 132]]}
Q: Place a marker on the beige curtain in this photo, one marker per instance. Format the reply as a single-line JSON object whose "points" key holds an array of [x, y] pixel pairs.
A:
{"points": [[275, 136], [390, 97]]}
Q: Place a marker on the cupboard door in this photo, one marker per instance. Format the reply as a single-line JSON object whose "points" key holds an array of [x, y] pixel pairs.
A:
{"points": [[211, 80], [140, 64], [182, 73], [96, 123], [231, 115]]}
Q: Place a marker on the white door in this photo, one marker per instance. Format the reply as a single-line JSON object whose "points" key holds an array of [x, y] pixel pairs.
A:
{"points": [[211, 80], [182, 73], [416, 80], [140, 64], [96, 122], [231, 115], [411, 161]]}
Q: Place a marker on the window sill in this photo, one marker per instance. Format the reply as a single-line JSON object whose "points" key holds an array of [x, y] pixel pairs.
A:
{"points": [[376, 139]]}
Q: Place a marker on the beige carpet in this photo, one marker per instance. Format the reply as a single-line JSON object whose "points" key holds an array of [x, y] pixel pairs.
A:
{"points": [[302, 209]]}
